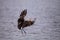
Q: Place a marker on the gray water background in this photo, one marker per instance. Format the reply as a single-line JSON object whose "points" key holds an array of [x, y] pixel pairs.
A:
{"points": [[47, 24]]}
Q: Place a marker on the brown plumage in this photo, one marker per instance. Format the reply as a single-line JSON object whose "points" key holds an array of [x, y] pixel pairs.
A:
{"points": [[21, 18], [21, 21], [24, 12]]}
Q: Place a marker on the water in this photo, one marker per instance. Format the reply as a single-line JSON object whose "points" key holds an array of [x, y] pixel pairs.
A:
{"points": [[46, 27]]}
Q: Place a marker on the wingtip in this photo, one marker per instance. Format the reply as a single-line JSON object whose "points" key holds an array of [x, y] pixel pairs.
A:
{"points": [[24, 12]]}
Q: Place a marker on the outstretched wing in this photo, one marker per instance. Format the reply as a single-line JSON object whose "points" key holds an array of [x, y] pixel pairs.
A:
{"points": [[24, 12]]}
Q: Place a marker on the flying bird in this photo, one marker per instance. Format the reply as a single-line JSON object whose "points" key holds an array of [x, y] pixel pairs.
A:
{"points": [[22, 23]]}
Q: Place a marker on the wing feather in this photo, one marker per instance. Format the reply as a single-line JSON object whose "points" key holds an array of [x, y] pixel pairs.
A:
{"points": [[24, 12]]}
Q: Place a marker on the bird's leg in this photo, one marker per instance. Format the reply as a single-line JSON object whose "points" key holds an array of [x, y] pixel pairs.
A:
{"points": [[23, 31]]}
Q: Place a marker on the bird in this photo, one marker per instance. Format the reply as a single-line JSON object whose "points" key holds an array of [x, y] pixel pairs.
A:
{"points": [[22, 23]]}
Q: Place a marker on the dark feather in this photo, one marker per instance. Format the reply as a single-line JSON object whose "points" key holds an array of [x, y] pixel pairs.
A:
{"points": [[24, 12], [21, 21]]}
